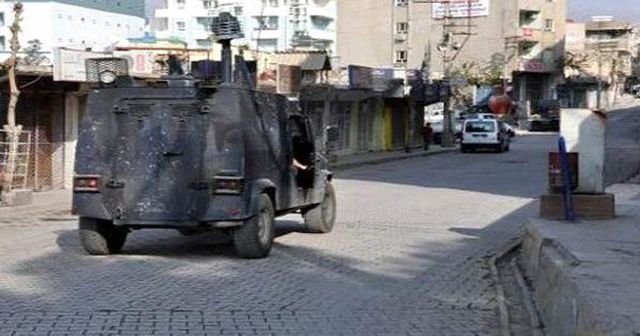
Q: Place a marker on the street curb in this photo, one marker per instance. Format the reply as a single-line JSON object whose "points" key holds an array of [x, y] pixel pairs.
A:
{"points": [[405, 156], [503, 311]]}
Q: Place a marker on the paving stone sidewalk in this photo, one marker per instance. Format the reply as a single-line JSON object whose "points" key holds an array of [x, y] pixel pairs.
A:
{"points": [[587, 274]]}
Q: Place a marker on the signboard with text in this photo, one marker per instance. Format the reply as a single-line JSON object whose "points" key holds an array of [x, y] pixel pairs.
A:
{"points": [[369, 78], [461, 8], [533, 65]]}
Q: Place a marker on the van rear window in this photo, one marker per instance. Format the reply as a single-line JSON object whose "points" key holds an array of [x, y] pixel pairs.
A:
{"points": [[480, 127]]}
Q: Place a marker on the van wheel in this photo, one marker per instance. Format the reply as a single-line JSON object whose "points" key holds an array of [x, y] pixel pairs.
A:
{"points": [[254, 238], [101, 237], [322, 217]]}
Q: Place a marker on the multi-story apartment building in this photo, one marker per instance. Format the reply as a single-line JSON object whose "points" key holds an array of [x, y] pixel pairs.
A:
{"points": [[523, 36], [602, 51], [269, 25], [77, 24]]}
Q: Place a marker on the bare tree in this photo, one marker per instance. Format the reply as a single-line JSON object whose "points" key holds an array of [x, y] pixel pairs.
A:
{"points": [[12, 130]]}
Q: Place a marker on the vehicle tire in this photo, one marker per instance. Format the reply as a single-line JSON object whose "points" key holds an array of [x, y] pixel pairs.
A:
{"points": [[101, 237], [499, 148], [254, 238], [464, 149], [322, 217]]}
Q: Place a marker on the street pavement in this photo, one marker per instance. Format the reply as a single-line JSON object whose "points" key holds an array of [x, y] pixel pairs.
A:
{"points": [[408, 256]]}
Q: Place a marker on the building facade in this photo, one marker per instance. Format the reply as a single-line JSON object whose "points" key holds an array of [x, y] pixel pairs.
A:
{"points": [[600, 53], [77, 24], [522, 39], [268, 25]]}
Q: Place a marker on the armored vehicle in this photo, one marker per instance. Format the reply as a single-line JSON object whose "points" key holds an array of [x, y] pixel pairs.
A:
{"points": [[195, 155]]}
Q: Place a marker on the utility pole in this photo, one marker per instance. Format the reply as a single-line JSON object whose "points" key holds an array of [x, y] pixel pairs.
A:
{"points": [[599, 92], [447, 45]]}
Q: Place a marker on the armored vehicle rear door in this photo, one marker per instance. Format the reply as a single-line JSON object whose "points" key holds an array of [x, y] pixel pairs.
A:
{"points": [[157, 161]]}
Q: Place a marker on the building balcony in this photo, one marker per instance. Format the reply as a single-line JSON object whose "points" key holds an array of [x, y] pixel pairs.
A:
{"points": [[328, 12], [530, 5], [266, 34], [322, 34]]}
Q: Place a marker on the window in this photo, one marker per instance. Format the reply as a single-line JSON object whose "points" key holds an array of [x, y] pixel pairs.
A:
{"points": [[401, 56], [266, 22], [205, 22], [3, 44], [549, 25], [180, 4], [181, 26], [237, 11], [402, 3], [271, 3], [480, 127], [267, 44], [1, 19], [207, 4], [402, 27]]}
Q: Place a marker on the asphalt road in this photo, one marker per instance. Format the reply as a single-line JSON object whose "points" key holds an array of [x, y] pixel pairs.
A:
{"points": [[623, 145], [409, 256]]}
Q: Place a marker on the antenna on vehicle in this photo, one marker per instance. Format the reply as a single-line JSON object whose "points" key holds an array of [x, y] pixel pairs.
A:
{"points": [[226, 28]]}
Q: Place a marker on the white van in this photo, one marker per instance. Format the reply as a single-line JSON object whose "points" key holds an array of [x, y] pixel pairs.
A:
{"points": [[484, 133]]}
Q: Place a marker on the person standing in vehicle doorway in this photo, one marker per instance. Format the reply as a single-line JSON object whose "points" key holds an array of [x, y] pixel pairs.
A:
{"points": [[427, 135]]}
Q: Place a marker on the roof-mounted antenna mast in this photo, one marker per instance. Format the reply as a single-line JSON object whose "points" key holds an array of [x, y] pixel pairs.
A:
{"points": [[226, 28]]}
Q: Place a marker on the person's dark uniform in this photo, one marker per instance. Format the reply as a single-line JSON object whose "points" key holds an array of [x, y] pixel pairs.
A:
{"points": [[427, 135]]}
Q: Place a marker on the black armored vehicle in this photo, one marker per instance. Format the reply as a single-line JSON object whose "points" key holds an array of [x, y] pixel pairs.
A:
{"points": [[195, 155]]}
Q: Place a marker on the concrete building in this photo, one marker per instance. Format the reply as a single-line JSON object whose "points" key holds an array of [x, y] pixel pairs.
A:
{"points": [[75, 24], [602, 51], [269, 25], [523, 37]]}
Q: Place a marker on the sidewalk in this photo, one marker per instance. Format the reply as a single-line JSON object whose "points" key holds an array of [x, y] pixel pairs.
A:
{"points": [[47, 205], [356, 160], [586, 275]]}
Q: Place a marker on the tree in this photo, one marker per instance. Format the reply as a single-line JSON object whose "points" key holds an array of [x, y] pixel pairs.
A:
{"points": [[12, 130], [33, 55]]}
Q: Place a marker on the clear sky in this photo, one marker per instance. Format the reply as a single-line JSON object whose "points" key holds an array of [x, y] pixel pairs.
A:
{"points": [[626, 10]]}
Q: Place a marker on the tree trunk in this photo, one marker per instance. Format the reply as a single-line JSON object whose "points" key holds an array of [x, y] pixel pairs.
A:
{"points": [[12, 130]]}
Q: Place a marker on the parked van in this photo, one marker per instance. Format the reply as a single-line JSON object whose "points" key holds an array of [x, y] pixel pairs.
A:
{"points": [[484, 134]]}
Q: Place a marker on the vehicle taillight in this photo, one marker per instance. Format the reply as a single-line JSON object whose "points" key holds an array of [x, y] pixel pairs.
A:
{"points": [[86, 184], [228, 185]]}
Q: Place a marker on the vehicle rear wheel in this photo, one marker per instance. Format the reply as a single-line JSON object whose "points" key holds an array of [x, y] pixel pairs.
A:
{"points": [[254, 238], [322, 217], [101, 237]]}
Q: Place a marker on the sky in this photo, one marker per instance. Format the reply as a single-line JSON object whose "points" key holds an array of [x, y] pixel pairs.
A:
{"points": [[625, 10]]}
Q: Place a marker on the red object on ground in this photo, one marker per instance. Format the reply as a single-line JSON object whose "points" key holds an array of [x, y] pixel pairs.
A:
{"points": [[500, 104]]}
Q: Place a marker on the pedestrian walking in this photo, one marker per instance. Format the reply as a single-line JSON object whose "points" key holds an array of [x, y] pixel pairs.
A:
{"points": [[427, 135]]}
